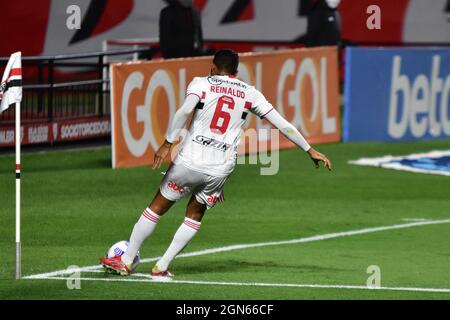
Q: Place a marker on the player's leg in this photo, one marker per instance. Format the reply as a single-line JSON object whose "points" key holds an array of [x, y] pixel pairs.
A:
{"points": [[143, 228], [190, 226], [146, 224], [174, 186], [205, 197]]}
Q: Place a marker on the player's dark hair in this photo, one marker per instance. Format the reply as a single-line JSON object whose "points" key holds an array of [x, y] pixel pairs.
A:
{"points": [[226, 60]]}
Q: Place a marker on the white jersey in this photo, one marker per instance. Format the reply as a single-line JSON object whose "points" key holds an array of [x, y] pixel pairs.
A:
{"points": [[216, 127]]}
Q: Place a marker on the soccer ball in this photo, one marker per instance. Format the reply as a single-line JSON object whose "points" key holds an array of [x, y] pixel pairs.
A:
{"points": [[119, 248]]}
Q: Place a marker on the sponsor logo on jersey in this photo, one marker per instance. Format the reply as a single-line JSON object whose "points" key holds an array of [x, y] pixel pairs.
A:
{"points": [[212, 143], [173, 186], [214, 80], [217, 82]]}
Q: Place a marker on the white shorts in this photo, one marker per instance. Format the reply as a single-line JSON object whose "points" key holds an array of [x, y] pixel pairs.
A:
{"points": [[180, 181]]}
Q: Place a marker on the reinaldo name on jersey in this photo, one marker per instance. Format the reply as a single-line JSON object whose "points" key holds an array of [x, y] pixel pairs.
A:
{"points": [[228, 91]]}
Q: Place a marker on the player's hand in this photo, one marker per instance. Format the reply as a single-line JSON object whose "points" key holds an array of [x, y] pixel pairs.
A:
{"points": [[316, 157], [161, 154]]}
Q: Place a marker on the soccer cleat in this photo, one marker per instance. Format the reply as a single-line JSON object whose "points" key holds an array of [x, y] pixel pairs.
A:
{"points": [[161, 275], [116, 265]]}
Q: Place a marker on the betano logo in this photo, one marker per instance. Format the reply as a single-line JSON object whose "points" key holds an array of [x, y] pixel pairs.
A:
{"points": [[421, 111]]}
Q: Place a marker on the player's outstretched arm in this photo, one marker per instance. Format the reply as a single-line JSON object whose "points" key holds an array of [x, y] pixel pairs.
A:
{"points": [[179, 121], [290, 132]]}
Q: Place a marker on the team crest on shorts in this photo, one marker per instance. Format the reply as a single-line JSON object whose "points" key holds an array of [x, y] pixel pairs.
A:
{"points": [[433, 162]]}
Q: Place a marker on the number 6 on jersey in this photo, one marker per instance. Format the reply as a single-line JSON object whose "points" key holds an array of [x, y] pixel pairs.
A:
{"points": [[221, 118]]}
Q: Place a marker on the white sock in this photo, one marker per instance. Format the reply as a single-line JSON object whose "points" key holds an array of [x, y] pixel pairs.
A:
{"points": [[184, 234], [141, 231]]}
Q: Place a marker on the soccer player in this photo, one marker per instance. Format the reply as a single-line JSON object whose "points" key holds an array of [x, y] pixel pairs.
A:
{"points": [[220, 103]]}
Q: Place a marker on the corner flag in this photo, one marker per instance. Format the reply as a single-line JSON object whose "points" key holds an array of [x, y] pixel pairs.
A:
{"points": [[11, 93], [11, 85]]}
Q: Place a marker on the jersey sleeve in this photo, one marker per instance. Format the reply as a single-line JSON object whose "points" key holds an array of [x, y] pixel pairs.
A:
{"points": [[196, 87], [261, 106], [287, 129], [180, 118]]}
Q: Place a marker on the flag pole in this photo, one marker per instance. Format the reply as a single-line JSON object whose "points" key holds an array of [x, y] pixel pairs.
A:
{"points": [[18, 249], [11, 93]]}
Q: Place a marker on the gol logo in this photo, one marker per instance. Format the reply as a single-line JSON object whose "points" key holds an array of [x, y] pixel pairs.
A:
{"points": [[309, 92], [161, 80]]}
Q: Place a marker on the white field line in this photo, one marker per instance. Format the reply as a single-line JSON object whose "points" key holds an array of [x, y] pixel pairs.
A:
{"points": [[256, 245], [147, 278]]}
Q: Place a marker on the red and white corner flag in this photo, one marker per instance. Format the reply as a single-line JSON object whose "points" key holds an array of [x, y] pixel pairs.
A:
{"points": [[11, 93], [11, 85]]}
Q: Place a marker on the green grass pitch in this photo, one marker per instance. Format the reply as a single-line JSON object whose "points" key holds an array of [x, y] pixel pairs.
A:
{"points": [[75, 206]]}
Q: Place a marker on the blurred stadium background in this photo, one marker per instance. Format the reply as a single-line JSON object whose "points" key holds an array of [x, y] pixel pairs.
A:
{"points": [[382, 96]]}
